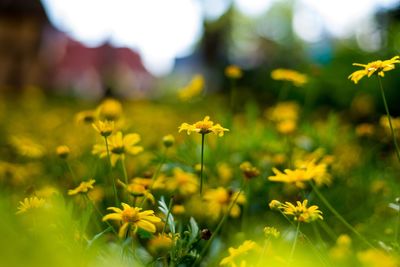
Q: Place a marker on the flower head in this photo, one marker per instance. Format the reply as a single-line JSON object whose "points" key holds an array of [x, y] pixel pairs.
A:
{"points": [[168, 140], [233, 72], [104, 128], [375, 67], [248, 170], [193, 89], [83, 187], [219, 199], [301, 212], [110, 109], [297, 78], [63, 151], [203, 127], [30, 203], [133, 217], [236, 254], [119, 145], [271, 232]]}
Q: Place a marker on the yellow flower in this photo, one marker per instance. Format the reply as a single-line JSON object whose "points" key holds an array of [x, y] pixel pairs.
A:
{"points": [[301, 212], [62, 151], [182, 182], [30, 203], [219, 199], [133, 217], [236, 254], [275, 204], [27, 147], [249, 171], [271, 232], [161, 244], [104, 128], [233, 72], [286, 126], [168, 140], [283, 111], [378, 67], [203, 127], [110, 109], [377, 258], [293, 76], [118, 146], [342, 248], [85, 116], [193, 89], [297, 177], [83, 187]]}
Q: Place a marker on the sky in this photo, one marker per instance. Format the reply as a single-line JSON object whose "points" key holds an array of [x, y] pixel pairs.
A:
{"points": [[164, 30]]}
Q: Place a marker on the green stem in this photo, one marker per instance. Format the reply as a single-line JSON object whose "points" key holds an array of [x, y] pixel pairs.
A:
{"points": [[233, 94], [109, 172], [396, 231], [71, 171], [294, 243], [389, 119], [155, 175], [333, 210], [266, 243], [124, 171], [283, 93], [168, 213], [99, 212], [201, 167], [221, 222]]}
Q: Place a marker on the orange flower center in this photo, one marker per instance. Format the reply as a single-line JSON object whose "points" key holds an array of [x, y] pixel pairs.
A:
{"points": [[130, 215]]}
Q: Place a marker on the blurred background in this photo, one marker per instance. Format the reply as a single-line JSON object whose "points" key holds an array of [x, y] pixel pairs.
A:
{"points": [[135, 49]]}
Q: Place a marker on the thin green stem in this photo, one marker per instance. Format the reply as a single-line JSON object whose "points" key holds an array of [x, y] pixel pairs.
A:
{"points": [[71, 171], [155, 175], [396, 230], [266, 245], [202, 159], [389, 119], [333, 210], [109, 172], [171, 201], [99, 212], [124, 171], [283, 93], [294, 243], [221, 222]]}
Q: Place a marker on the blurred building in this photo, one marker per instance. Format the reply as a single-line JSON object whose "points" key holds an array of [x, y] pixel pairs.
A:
{"points": [[34, 53]]}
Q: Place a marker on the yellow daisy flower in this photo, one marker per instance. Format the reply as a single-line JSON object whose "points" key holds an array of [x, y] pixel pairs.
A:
{"points": [[219, 199], [373, 67], [236, 254], [30, 203], [297, 78], [133, 217], [119, 145], [203, 127], [84, 187], [233, 72], [300, 212], [193, 89], [104, 128]]}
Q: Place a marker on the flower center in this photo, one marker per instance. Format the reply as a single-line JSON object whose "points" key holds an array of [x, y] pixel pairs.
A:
{"points": [[130, 215], [118, 150]]}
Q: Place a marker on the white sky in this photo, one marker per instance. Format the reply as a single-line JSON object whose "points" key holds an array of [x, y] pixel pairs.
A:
{"points": [[162, 30]]}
